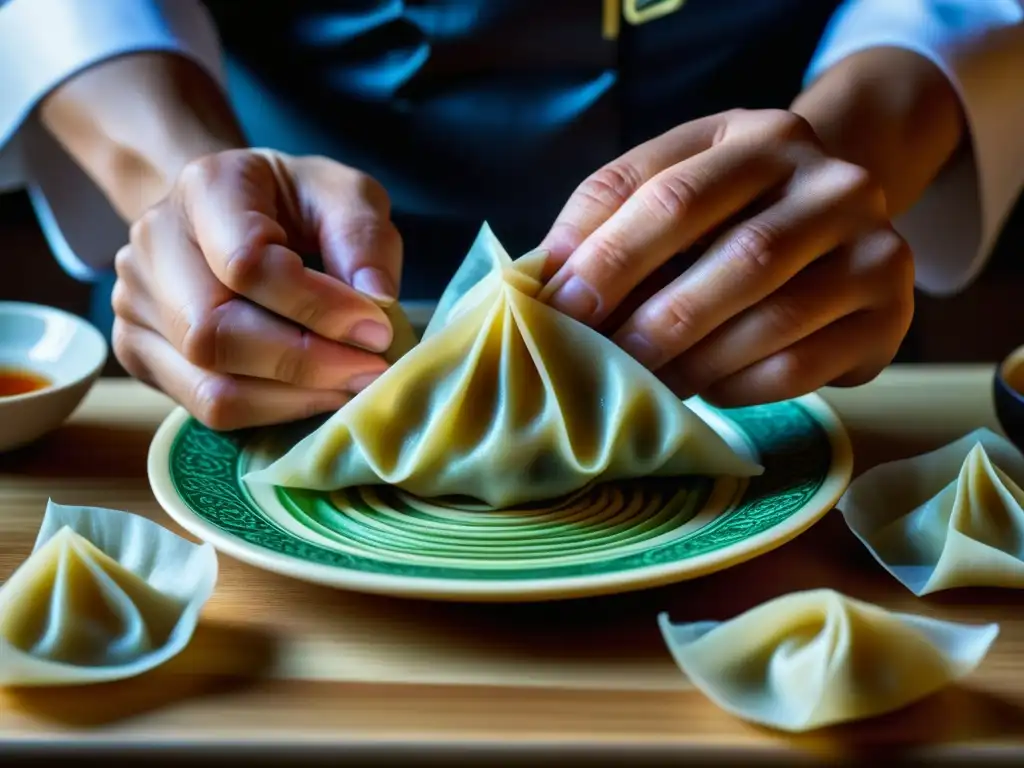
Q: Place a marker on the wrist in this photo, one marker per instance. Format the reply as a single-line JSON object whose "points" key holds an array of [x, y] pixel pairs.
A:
{"points": [[891, 111], [134, 123]]}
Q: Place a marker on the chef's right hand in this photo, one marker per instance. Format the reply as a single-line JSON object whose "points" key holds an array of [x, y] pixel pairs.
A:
{"points": [[215, 307]]}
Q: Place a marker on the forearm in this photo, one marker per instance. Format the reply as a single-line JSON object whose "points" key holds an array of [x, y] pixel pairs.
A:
{"points": [[890, 111], [134, 122]]}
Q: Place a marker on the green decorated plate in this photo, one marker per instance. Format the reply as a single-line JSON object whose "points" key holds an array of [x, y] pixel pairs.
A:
{"points": [[604, 539]]}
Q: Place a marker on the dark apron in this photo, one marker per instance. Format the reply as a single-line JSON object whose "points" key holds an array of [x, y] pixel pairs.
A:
{"points": [[469, 110]]}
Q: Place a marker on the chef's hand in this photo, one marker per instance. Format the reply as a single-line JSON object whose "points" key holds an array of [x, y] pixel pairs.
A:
{"points": [[803, 284], [215, 307]]}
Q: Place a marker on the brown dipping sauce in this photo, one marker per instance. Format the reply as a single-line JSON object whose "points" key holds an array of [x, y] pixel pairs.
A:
{"points": [[16, 381]]}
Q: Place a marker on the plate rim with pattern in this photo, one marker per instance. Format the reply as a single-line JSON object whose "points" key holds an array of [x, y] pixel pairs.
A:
{"points": [[836, 479]]}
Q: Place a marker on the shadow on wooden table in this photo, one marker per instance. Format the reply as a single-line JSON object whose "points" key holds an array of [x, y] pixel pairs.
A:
{"points": [[956, 714], [221, 659], [83, 450], [622, 631], [618, 629]]}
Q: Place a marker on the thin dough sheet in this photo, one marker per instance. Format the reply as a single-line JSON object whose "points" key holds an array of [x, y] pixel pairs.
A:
{"points": [[818, 658], [105, 595], [950, 518], [508, 401]]}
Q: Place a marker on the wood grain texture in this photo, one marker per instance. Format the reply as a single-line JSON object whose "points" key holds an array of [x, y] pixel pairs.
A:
{"points": [[277, 661]]}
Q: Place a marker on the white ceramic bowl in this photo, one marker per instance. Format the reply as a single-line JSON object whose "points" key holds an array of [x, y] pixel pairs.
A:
{"points": [[63, 349]]}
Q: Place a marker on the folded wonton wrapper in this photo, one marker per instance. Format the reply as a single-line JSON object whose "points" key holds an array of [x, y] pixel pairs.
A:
{"points": [[816, 658], [506, 400], [105, 595], [950, 518]]}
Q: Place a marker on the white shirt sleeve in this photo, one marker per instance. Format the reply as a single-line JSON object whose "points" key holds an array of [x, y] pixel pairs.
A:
{"points": [[42, 44], [979, 45]]}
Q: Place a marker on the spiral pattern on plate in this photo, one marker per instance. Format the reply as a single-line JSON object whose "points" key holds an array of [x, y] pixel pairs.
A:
{"points": [[386, 523]]}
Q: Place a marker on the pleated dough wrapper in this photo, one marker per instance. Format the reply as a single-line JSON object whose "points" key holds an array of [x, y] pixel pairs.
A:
{"points": [[817, 658], [950, 518], [105, 595], [506, 400]]}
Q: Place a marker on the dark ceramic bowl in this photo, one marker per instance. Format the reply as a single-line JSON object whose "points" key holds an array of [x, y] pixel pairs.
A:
{"points": [[1008, 393]]}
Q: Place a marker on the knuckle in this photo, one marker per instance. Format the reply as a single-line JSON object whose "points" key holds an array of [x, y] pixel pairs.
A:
{"points": [[612, 185], [371, 190], [243, 265], [123, 261], [784, 126], [121, 299], [671, 322], [310, 314], [202, 337], [672, 195], [609, 258], [200, 173], [784, 315], [122, 340], [889, 262], [858, 183], [214, 401], [786, 372], [753, 247], [372, 231], [130, 353], [291, 366], [140, 233], [901, 266]]}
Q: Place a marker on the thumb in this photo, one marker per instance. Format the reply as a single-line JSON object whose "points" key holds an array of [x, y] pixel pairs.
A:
{"points": [[350, 215]]}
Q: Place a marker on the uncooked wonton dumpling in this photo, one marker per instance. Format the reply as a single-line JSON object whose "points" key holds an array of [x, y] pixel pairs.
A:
{"points": [[816, 658], [950, 518], [105, 595], [506, 400]]}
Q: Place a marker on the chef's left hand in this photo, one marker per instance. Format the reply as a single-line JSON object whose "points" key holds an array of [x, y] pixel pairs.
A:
{"points": [[804, 282]]}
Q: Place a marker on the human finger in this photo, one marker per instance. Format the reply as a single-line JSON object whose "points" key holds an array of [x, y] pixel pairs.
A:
{"points": [[602, 193], [873, 271], [349, 213], [215, 329], [752, 260], [219, 401], [234, 205], [240, 338], [664, 217], [826, 356]]}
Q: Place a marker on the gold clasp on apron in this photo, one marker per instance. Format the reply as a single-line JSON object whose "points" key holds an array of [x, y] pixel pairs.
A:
{"points": [[636, 12]]}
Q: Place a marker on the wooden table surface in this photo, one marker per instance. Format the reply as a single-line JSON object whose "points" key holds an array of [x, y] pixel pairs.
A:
{"points": [[279, 662]]}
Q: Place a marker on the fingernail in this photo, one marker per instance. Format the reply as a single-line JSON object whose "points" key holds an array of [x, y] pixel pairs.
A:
{"points": [[641, 349], [370, 335], [362, 381], [374, 282], [576, 299]]}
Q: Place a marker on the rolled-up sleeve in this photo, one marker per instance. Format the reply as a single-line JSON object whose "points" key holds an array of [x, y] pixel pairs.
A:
{"points": [[979, 46], [43, 43]]}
